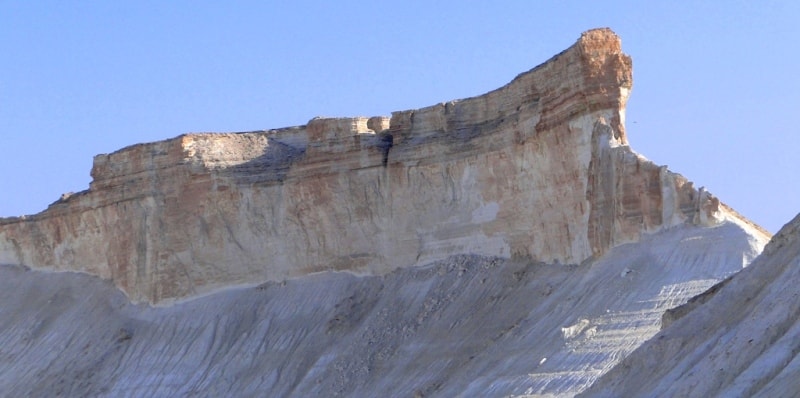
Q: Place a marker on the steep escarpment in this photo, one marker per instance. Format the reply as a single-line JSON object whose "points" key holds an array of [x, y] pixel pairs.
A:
{"points": [[743, 339], [510, 244], [537, 169]]}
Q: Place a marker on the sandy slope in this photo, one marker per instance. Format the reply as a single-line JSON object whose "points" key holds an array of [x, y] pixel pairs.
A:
{"points": [[466, 326], [743, 341]]}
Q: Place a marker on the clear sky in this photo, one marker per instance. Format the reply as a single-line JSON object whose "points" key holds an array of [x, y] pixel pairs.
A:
{"points": [[716, 83]]}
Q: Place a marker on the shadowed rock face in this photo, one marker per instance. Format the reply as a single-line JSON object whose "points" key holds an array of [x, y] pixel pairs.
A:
{"points": [[537, 169]]}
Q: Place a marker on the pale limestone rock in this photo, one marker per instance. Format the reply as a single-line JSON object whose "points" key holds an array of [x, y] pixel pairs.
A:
{"points": [[539, 168]]}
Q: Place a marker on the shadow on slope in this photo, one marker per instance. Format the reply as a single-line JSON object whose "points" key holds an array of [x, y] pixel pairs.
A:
{"points": [[742, 341], [468, 325]]}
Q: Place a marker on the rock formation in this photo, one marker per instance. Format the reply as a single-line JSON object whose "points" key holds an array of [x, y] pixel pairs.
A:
{"points": [[742, 339], [539, 169], [510, 244], [466, 326]]}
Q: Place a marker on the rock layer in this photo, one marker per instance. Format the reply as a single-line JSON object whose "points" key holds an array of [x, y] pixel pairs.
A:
{"points": [[539, 169]]}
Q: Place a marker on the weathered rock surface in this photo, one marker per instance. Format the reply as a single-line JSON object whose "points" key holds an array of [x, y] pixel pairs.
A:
{"points": [[742, 340], [538, 169], [465, 326], [507, 244]]}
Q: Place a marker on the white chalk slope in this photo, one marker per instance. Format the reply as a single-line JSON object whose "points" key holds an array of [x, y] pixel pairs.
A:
{"points": [[466, 326], [743, 341]]}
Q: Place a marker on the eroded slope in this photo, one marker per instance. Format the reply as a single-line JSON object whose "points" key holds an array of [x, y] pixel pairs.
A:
{"points": [[465, 326], [743, 341]]}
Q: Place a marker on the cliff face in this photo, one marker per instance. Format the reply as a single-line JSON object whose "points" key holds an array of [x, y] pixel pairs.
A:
{"points": [[539, 168], [510, 244]]}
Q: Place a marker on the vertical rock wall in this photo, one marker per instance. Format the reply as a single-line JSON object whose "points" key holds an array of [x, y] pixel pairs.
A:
{"points": [[538, 168]]}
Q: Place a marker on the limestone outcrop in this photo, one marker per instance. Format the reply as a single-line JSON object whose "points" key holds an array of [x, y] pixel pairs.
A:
{"points": [[510, 244], [538, 169]]}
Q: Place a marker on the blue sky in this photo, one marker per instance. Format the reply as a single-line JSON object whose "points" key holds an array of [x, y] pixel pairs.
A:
{"points": [[716, 87]]}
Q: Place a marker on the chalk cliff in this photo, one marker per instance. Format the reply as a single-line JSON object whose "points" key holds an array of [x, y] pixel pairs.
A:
{"points": [[538, 169], [510, 244]]}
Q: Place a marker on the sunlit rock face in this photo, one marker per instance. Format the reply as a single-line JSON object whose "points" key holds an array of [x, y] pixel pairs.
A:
{"points": [[538, 169], [510, 244]]}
